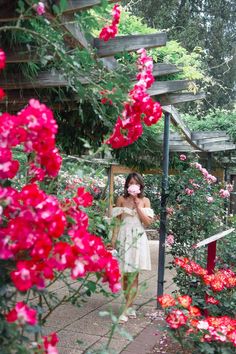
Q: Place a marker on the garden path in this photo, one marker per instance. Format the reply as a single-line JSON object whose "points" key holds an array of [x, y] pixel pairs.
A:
{"points": [[83, 330]]}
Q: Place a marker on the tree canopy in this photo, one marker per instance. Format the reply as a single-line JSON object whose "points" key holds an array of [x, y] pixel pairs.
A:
{"points": [[207, 26]]}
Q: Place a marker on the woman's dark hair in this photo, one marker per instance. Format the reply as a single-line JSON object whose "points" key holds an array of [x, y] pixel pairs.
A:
{"points": [[138, 178]]}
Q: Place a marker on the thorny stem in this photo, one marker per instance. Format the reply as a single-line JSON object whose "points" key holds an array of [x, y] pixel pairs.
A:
{"points": [[180, 340], [78, 290], [114, 325], [43, 319], [40, 316], [54, 280]]}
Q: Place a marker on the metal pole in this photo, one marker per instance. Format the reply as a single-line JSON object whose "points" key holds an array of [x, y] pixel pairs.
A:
{"points": [[209, 161], [163, 215]]}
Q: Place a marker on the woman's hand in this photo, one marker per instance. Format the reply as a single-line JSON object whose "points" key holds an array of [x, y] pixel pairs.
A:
{"points": [[137, 202]]}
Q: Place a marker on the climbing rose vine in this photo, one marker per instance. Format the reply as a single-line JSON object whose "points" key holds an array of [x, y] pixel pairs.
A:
{"points": [[110, 31], [139, 108]]}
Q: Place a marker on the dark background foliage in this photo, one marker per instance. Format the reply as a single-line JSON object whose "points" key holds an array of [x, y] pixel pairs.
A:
{"points": [[210, 25]]}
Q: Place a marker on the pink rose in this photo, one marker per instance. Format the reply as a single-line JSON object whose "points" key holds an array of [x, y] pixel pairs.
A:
{"points": [[210, 199], [170, 240], [189, 191], [182, 157], [40, 8], [134, 189], [224, 193]]}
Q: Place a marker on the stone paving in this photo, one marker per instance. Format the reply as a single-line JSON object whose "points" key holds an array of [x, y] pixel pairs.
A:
{"points": [[84, 330]]}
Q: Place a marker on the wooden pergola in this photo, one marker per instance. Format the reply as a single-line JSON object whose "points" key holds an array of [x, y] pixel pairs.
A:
{"points": [[19, 89], [169, 93]]}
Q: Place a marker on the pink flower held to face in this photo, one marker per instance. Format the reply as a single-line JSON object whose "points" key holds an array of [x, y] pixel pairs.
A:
{"points": [[134, 189]]}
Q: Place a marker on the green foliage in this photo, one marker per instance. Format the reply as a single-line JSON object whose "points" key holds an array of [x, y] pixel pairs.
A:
{"points": [[214, 120], [208, 26], [145, 153], [173, 52], [189, 220]]}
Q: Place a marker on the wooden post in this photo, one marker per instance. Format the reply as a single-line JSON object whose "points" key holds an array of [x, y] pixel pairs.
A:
{"points": [[211, 244], [211, 257]]}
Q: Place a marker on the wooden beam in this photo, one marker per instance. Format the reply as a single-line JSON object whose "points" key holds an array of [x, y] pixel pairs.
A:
{"points": [[183, 149], [183, 143], [13, 108], [161, 69], [22, 97], [169, 99], [130, 43], [197, 135], [78, 5], [43, 80], [120, 169], [213, 140], [162, 87], [176, 119], [21, 54], [74, 30], [223, 147]]}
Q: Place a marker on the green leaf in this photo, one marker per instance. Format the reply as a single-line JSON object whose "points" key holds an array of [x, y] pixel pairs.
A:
{"points": [[56, 9], [63, 5], [21, 5], [91, 286]]}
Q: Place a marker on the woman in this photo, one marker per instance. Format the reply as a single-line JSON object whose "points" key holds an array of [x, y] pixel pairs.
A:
{"points": [[134, 212]]}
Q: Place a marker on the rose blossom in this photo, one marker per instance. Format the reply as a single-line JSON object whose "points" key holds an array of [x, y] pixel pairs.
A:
{"points": [[182, 157], [185, 300], [2, 94], [139, 108], [210, 199], [176, 319], [224, 193], [2, 59], [22, 314], [170, 240], [134, 189], [110, 31], [189, 191], [166, 300], [40, 8]]}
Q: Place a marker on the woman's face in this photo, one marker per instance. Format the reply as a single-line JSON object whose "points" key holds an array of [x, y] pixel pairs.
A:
{"points": [[133, 181]]}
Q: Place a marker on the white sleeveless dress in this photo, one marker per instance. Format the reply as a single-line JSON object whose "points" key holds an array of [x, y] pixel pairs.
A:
{"points": [[132, 242]]}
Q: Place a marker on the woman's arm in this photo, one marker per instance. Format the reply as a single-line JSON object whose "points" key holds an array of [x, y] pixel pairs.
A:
{"points": [[146, 220]]}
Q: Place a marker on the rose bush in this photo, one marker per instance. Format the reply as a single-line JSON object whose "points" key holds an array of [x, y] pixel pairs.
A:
{"points": [[203, 321]]}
